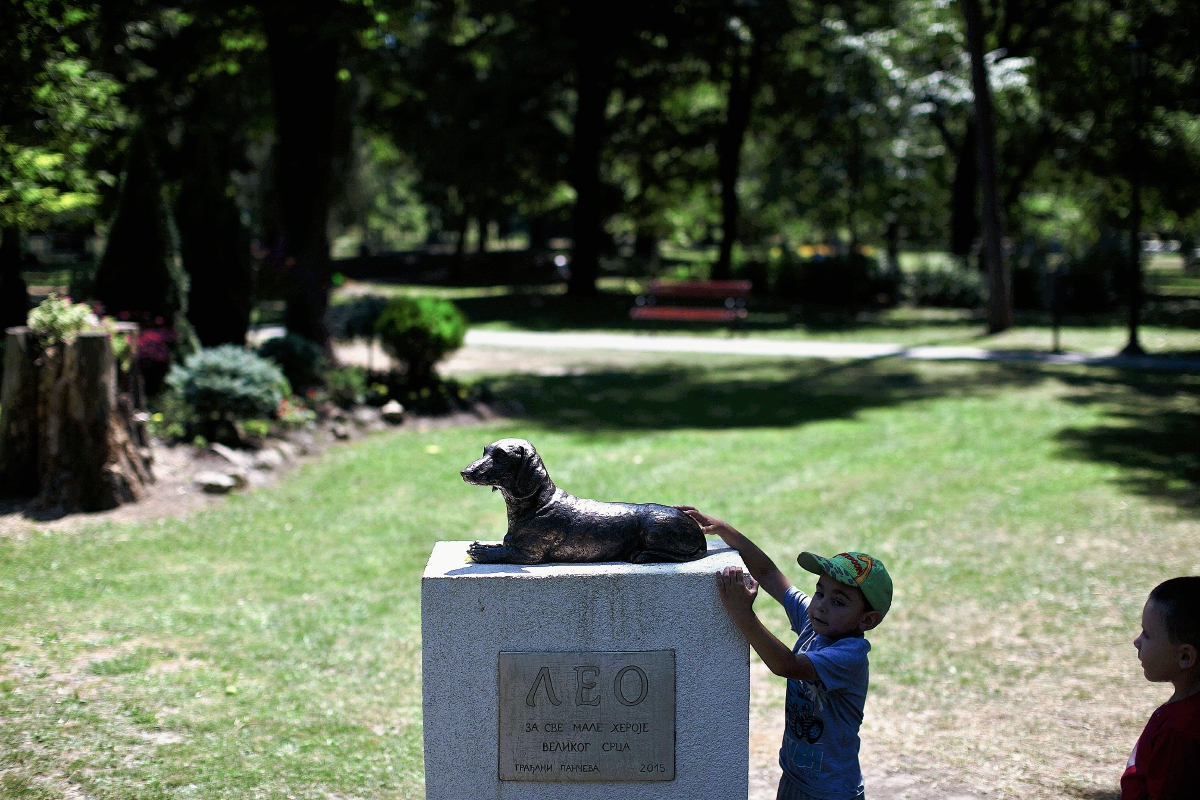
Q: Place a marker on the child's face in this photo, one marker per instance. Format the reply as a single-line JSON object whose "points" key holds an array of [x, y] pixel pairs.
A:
{"points": [[1160, 658], [837, 610]]}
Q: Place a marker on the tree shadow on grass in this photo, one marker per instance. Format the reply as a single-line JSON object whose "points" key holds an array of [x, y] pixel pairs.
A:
{"points": [[1153, 433], [743, 395], [1152, 430]]}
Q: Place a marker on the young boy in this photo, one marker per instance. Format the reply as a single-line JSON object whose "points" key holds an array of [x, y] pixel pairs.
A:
{"points": [[826, 670], [1165, 762]]}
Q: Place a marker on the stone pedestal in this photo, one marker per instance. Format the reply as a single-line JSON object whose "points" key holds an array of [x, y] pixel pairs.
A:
{"points": [[616, 681]]}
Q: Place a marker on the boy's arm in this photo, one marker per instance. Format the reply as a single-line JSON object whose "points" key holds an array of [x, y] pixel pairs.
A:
{"points": [[738, 598], [757, 562]]}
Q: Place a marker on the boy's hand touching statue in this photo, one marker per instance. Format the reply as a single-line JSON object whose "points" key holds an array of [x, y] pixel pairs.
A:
{"points": [[738, 591], [711, 526]]}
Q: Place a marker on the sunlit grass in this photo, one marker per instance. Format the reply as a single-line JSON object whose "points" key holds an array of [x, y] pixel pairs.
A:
{"points": [[272, 647]]}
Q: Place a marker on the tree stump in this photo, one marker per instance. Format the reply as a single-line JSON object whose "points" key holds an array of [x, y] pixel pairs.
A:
{"points": [[18, 415], [70, 427]]}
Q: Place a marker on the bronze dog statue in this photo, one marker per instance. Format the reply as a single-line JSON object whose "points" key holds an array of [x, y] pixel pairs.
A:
{"points": [[545, 524]]}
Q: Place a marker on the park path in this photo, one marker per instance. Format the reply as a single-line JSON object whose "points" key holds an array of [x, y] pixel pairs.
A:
{"points": [[801, 348], [360, 354]]}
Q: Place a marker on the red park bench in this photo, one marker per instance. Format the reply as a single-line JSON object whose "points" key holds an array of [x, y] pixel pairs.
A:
{"points": [[733, 295]]}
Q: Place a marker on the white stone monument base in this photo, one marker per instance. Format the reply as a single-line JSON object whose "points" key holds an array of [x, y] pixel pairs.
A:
{"points": [[471, 613]]}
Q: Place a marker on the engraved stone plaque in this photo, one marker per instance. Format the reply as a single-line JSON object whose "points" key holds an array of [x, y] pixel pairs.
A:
{"points": [[587, 716]]}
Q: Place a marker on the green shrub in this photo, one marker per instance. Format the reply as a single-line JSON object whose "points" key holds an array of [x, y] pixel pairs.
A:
{"points": [[420, 331], [301, 360], [171, 417], [347, 386], [229, 383], [842, 281], [260, 428], [945, 287]]}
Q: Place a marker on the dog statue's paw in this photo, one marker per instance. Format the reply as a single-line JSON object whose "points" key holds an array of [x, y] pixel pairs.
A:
{"points": [[482, 553]]}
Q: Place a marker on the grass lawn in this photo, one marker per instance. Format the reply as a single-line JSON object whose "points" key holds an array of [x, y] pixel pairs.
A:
{"points": [[271, 648]]}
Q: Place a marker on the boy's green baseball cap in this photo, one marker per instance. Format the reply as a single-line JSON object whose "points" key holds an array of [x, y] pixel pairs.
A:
{"points": [[854, 569]]}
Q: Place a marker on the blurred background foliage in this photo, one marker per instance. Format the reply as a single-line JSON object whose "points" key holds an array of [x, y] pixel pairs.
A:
{"points": [[188, 160]]}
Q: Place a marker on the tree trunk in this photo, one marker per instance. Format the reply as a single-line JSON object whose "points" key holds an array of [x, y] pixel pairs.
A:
{"points": [[964, 195], [892, 239], [593, 86], [214, 245], [70, 427], [18, 415], [458, 267], [999, 310], [743, 83], [645, 245], [14, 294], [304, 59], [538, 233], [854, 181], [1134, 347]]}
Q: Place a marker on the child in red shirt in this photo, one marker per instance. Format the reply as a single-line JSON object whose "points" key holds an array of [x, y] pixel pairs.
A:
{"points": [[1165, 762]]}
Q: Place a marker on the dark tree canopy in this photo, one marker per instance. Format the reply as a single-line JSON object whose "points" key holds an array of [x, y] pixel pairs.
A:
{"points": [[741, 133]]}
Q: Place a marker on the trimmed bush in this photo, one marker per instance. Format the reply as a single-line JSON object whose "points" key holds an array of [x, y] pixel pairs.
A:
{"points": [[946, 287], [229, 383], [420, 331], [757, 272], [850, 281], [301, 360], [347, 386]]}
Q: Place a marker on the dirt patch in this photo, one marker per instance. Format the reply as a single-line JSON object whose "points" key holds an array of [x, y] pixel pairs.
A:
{"points": [[885, 778]]}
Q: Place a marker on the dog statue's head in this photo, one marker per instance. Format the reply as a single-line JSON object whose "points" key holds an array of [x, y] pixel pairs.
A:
{"points": [[510, 465]]}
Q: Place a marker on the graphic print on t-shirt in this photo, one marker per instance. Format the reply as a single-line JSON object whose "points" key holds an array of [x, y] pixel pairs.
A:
{"points": [[800, 718], [804, 727]]}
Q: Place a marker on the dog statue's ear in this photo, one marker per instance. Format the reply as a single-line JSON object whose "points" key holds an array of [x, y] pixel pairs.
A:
{"points": [[531, 476]]}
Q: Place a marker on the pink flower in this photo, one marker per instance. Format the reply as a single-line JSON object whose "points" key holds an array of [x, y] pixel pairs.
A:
{"points": [[154, 344]]}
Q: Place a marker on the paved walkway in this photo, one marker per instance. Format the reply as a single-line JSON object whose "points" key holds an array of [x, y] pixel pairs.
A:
{"points": [[799, 348]]}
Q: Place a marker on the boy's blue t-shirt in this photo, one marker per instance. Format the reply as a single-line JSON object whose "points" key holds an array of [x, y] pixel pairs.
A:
{"points": [[820, 737]]}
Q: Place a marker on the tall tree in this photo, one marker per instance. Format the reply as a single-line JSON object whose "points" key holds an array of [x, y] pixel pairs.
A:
{"points": [[472, 95], [140, 272], [1122, 121], [748, 40], [999, 310], [610, 45], [595, 33], [221, 103], [304, 46], [213, 243], [193, 99], [56, 109], [745, 70]]}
